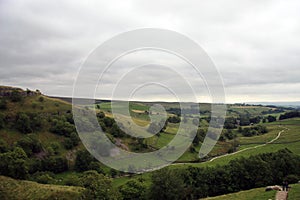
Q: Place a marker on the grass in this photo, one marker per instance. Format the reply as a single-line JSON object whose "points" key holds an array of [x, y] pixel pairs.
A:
{"points": [[19, 189], [294, 193], [257, 194]]}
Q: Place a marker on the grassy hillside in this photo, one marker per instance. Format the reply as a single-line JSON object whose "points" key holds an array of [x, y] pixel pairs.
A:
{"points": [[48, 127], [257, 194], [294, 193], [17, 189]]}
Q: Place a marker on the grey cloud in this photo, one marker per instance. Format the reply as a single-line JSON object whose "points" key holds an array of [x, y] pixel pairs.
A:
{"points": [[254, 43]]}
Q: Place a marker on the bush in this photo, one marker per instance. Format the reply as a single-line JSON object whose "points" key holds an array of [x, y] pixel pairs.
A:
{"points": [[134, 189], [98, 186], [16, 96], [30, 144], [41, 99], [62, 127], [83, 160], [23, 123], [2, 120], [55, 164], [3, 104], [174, 119], [14, 164], [43, 177], [3, 146]]}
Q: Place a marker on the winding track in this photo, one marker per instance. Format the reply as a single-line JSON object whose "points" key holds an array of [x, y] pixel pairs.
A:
{"points": [[255, 147]]}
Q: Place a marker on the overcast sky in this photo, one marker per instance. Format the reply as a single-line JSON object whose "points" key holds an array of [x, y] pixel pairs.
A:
{"points": [[255, 44]]}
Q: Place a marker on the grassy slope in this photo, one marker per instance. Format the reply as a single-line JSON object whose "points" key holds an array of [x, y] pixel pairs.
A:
{"points": [[18, 189], [32, 104], [294, 193], [257, 194]]}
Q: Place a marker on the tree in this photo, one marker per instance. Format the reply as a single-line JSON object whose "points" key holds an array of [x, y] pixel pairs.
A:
{"points": [[134, 189], [71, 142], [98, 186], [167, 184], [30, 144], [2, 120], [14, 164], [230, 123], [83, 160], [62, 127], [3, 146], [174, 119], [244, 120], [271, 118], [41, 99], [56, 164], [23, 123], [3, 104], [100, 114]]}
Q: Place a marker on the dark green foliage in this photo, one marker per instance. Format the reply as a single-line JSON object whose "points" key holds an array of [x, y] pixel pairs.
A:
{"points": [[230, 123], [56, 164], [199, 137], [83, 160], [255, 120], [116, 131], [14, 164], [167, 184], [95, 165], [271, 118], [16, 96], [34, 165], [3, 146], [244, 120], [2, 120], [23, 123], [55, 147], [100, 114], [30, 144], [61, 126], [174, 119], [229, 134], [98, 186], [288, 115], [43, 177], [71, 142], [254, 130], [134, 189], [239, 174], [108, 121], [41, 99], [3, 104]]}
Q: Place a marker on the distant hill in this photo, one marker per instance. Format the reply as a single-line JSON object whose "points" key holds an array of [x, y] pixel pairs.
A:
{"points": [[284, 104]]}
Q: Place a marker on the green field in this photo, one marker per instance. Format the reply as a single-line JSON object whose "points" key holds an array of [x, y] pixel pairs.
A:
{"points": [[294, 192], [257, 194]]}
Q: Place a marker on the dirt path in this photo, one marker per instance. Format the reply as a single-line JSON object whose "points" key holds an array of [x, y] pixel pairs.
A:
{"points": [[255, 147], [281, 195]]}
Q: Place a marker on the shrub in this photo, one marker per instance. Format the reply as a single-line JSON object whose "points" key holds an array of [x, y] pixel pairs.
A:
{"points": [[41, 99], [16, 96], [3, 104], [23, 123]]}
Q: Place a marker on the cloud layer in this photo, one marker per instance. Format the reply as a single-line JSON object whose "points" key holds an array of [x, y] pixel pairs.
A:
{"points": [[254, 43]]}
